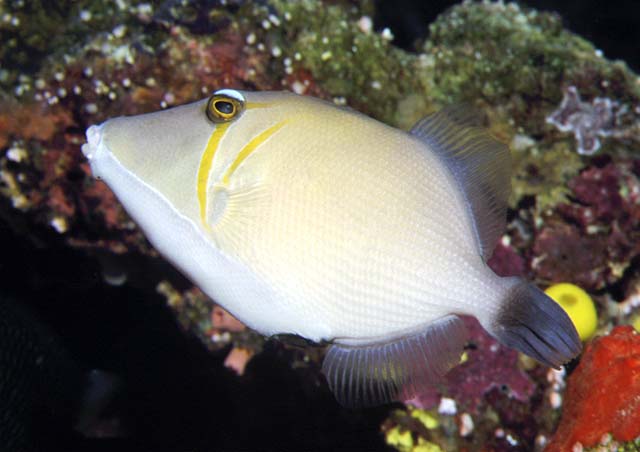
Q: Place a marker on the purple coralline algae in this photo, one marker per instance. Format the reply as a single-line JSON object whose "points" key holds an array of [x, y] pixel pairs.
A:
{"points": [[593, 240], [486, 366]]}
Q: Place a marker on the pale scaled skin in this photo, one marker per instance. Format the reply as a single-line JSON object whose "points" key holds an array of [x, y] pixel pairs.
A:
{"points": [[335, 227]]}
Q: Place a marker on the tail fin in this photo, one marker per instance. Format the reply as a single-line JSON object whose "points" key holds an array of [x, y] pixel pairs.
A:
{"points": [[534, 324]]}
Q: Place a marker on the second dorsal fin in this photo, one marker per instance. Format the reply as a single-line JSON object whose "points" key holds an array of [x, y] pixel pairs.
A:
{"points": [[480, 164]]}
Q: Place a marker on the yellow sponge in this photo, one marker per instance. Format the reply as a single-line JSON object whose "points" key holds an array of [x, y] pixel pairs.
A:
{"points": [[578, 305]]}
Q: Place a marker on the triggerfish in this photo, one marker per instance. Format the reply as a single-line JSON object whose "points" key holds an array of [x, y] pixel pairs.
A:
{"points": [[304, 218]]}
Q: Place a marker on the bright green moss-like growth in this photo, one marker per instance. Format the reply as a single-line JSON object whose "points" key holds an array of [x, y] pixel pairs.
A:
{"points": [[32, 31], [505, 54], [347, 57]]}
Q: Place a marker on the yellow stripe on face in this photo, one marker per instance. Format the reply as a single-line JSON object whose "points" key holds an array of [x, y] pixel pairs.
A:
{"points": [[205, 167], [249, 148], [252, 105]]}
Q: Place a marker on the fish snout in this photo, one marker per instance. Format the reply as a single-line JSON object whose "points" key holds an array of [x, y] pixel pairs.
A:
{"points": [[95, 148], [94, 141]]}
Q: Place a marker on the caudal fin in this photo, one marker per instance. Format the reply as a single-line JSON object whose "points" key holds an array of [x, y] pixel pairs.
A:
{"points": [[534, 324]]}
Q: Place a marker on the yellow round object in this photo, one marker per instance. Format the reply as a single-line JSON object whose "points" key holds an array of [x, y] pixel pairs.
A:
{"points": [[578, 305]]}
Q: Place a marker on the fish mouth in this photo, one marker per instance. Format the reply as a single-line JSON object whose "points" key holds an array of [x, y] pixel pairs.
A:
{"points": [[94, 144]]}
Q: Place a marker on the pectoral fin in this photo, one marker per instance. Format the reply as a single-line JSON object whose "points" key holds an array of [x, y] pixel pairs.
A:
{"points": [[235, 211]]}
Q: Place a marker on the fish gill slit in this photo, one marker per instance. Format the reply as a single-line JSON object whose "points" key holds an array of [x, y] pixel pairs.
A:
{"points": [[204, 170]]}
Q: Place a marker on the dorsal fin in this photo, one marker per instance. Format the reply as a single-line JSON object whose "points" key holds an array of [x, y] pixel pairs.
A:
{"points": [[480, 164]]}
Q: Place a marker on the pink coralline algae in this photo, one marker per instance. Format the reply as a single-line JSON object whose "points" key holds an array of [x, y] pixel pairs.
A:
{"points": [[488, 366], [589, 240], [505, 261], [588, 122], [563, 253], [607, 195], [597, 188]]}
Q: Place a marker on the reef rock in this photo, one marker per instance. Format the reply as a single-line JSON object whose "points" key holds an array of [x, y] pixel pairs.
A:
{"points": [[603, 395]]}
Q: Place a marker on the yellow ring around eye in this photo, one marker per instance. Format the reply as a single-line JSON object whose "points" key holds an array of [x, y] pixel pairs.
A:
{"points": [[222, 108]]}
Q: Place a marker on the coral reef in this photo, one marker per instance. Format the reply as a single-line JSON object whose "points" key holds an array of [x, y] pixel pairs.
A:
{"points": [[489, 390], [521, 59], [593, 240], [486, 365], [573, 218], [603, 393]]}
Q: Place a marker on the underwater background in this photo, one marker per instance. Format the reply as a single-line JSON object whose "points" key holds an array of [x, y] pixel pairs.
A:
{"points": [[81, 289]]}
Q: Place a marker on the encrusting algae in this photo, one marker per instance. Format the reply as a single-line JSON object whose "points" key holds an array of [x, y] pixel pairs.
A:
{"points": [[515, 63], [602, 394]]}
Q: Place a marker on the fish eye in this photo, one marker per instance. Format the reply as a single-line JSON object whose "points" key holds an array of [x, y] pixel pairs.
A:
{"points": [[224, 105]]}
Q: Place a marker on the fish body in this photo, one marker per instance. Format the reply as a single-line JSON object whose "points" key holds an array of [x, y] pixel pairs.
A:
{"points": [[303, 218]]}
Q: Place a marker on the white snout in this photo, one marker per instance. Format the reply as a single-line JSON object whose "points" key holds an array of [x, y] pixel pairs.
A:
{"points": [[94, 141]]}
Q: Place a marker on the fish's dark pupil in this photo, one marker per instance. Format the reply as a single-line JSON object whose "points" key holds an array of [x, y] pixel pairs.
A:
{"points": [[224, 107]]}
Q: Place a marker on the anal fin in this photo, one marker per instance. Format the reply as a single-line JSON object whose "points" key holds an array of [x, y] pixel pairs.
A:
{"points": [[399, 369]]}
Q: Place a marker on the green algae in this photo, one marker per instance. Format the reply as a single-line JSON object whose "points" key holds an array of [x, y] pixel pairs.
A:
{"points": [[516, 61], [492, 51], [495, 53], [351, 62], [630, 446], [36, 33], [610, 444], [543, 174], [498, 54], [508, 55]]}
